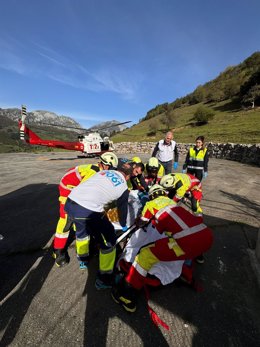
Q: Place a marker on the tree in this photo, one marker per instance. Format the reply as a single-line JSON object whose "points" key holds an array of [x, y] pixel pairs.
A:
{"points": [[198, 95], [168, 119], [252, 95], [203, 114], [153, 127]]}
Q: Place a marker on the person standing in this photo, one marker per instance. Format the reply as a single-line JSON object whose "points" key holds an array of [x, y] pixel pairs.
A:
{"points": [[85, 207], [166, 151], [196, 162], [72, 178]]}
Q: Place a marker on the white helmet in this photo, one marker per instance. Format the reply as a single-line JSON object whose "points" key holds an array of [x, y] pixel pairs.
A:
{"points": [[155, 191], [167, 181], [110, 159]]}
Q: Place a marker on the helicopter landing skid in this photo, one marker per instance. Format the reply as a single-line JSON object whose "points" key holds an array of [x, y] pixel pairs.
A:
{"points": [[82, 156]]}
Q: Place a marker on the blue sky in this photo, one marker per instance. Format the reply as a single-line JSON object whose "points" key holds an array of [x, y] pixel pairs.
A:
{"points": [[116, 59]]}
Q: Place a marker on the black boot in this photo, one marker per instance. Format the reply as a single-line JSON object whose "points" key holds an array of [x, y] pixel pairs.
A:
{"points": [[124, 294], [61, 257], [104, 281]]}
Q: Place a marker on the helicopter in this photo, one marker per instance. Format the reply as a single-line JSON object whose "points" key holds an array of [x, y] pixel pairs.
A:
{"points": [[90, 145]]}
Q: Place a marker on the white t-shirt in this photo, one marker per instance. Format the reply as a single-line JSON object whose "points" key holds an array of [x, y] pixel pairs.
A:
{"points": [[99, 190]]}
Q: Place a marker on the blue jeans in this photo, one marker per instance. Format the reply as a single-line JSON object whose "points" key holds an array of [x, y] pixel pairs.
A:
{"points": [[167, 166]]}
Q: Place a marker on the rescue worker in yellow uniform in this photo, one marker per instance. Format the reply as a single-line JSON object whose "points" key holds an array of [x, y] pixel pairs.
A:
{"points": [[137, 181], [186, 236], [85, 206], [73, 177], [196, 162], [180, 185], [153, 173]]}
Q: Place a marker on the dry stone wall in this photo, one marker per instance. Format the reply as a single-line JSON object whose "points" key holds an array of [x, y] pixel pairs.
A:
{"points": [[249, 154]]}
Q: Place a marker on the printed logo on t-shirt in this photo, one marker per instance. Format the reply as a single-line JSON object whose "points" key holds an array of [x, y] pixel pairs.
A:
{"points": [[113, 177]]}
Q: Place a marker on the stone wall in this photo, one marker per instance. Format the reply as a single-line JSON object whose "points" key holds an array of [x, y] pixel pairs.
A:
{"points": [[249, 154]]}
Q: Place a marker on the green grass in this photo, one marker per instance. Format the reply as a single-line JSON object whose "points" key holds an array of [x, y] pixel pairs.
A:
{"points": [[230, 124]]}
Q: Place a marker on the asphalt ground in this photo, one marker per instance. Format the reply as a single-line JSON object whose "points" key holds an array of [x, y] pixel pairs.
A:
{"points": [[42, 305]]}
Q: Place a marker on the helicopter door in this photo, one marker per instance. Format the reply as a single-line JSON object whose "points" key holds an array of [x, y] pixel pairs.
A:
{"points": [[93, 147]]}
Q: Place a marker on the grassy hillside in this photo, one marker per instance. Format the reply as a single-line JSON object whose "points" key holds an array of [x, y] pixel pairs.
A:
{"points": [[229, 124], [230, 98]]}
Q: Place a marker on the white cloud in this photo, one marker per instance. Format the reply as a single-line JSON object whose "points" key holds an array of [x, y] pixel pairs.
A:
{"points": [[46, 62], [9, 60], [109, 79]]}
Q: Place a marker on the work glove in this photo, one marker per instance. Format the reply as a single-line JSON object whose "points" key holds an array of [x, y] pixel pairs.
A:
{"points": [[184, 171], [175, 165], [124, 229], [205, 175]]}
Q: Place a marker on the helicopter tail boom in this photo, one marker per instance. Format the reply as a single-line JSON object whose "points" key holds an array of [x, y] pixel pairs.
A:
{"points": [[28, 136]]}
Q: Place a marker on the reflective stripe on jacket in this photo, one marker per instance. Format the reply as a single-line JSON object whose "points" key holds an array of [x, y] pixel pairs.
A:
{"points": [[78, 174], [184, 183], [196, 158], [153, 206]]}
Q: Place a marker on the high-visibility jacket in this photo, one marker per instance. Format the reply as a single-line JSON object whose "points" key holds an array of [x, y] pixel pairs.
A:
{"points": [[137, 183], [196, 159], [150, 181], [186, 238], [186, 183], [153, 206], [74, 176]]}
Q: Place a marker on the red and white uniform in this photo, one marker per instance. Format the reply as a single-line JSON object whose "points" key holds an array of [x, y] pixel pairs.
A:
{"points": [[72, 178], [186, 238]]}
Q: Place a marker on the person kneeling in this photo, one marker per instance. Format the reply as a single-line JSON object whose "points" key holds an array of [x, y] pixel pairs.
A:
{"points": [[186, 237]]}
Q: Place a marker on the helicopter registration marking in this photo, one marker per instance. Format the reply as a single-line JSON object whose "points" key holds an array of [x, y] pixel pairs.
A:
{"points": [[113, 177]]}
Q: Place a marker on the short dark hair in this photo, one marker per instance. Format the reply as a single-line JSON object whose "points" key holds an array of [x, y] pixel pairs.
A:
{"points": [[126, 168], [141, 165]]}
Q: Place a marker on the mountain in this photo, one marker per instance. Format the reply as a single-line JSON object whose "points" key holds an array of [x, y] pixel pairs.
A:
{"points": [[109, 127], [231, 103], [40, 117]]}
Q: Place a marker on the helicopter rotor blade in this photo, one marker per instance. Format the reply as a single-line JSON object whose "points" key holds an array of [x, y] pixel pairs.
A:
{"points": [[61, 126], [89, 129], [114, 125]]}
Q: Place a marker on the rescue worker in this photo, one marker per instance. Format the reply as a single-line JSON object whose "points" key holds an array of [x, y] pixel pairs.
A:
{"points": [[73, 177], [165, 150], [153, 173], [180, 185], [137, 181], [196, 162], [185, 237], [85, 206]]}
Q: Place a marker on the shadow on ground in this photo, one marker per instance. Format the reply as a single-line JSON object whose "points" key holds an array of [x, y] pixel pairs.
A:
{"points": [[226, 313], [28, 221], [15, 307]]}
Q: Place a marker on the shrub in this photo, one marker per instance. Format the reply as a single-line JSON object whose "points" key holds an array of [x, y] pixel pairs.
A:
{"points": [[203, 114]]}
